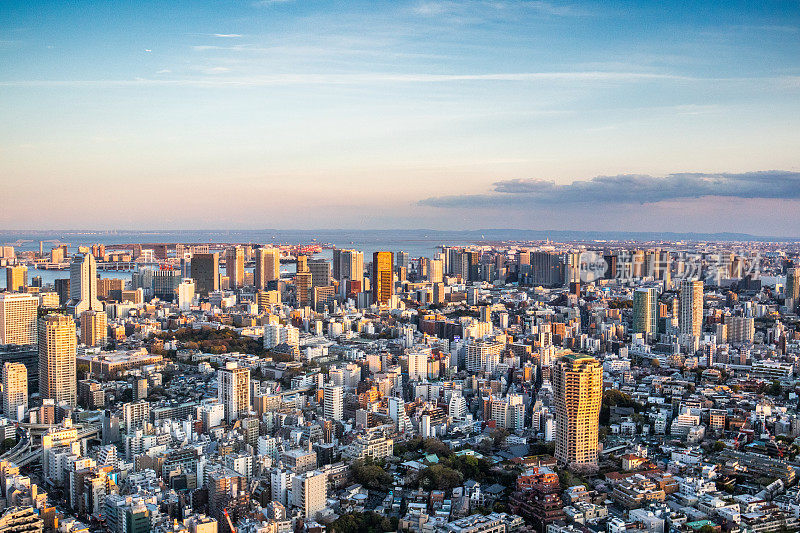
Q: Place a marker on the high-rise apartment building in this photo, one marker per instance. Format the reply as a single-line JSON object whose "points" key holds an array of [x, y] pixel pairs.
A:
{"points": [[16, 278], [94, 328], [792, 287], [57, 347], [234, 266], [691, 308], [15, 390], [578, 389], [205, 273], [234, 390], [83, 285], [645, 311], [382, 280], [18, 313], [268, 266], [333, 401]]}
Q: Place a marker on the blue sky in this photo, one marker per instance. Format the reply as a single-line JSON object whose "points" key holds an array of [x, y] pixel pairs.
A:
{"points": [[306, 114]]}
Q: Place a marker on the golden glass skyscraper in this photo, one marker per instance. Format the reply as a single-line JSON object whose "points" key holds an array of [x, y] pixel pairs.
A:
{"points": [[578, 387], [382, 281], [57, 346]]}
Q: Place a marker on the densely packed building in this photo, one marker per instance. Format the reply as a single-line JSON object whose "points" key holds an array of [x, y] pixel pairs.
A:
{"points": [[497, 387]]}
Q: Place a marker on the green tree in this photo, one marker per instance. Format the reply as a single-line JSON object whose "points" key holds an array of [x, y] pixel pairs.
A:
{"points": [[440, 477], [368, 522], [371, 475]]}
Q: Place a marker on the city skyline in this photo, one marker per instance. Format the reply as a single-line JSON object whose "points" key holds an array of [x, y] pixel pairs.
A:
{"points": [[438, 115]]}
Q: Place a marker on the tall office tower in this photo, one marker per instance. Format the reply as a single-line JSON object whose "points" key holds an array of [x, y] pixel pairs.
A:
{"points": [[268, 266], [16, 278], [57, 345], [792, 287], [310, 492], [691, 306], [234, 265], [435, 271], [83, 285], [578, 389], [336, 263], [351, 266], [164, 283], [15, 391], [233, 384], [382, 281], [401, 260], [18, 318], [645, 311], [333, 401], [320, 272], [546, 269], [205, 273], [94, 328]]}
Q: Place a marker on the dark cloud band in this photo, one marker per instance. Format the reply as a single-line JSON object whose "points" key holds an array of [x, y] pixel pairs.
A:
{"points": [[630, 189]]}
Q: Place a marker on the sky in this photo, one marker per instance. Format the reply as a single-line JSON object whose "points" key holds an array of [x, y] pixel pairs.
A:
{"points": [[302, 114]]}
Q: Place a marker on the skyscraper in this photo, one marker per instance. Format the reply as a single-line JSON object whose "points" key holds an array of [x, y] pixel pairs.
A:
{"points": [[16, 278], [83, 285], [435, 271], [15, 390], [57, 346], [18, 319], [351, 266], [94, 328], [792, 287], [234, 266], [320, 272], [303, 281], [402, 260], [645, 311], [382, 280], [234, 390], [205, 273], [268, 266], [691, 306], [578, 387], [333, 401]]}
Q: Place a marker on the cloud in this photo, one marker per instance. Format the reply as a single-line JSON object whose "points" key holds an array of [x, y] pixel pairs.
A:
{"points": [[629, 189], [368, 78], [228, 35]]}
